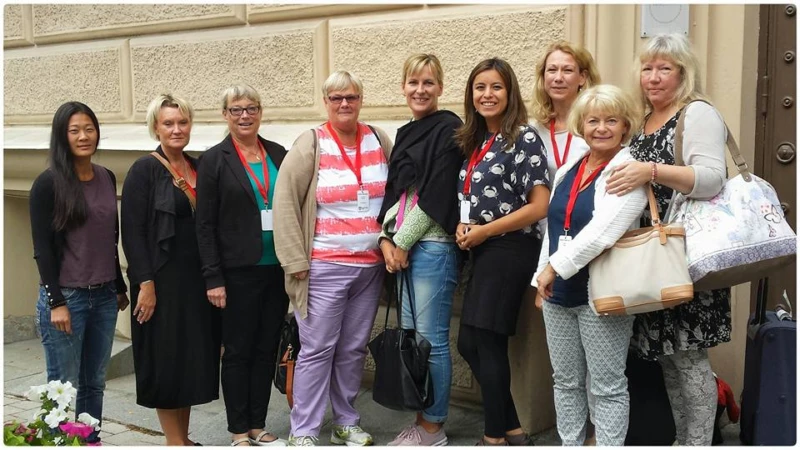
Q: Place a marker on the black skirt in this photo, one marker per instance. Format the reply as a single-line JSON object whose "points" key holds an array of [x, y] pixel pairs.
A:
{"points": [[176, 353], [502, 269]]}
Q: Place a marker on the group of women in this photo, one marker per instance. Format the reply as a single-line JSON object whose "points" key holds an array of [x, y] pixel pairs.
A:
{"points": [[218, 248]]}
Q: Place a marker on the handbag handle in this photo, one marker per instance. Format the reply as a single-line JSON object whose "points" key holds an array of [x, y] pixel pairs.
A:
{"points": [[401, 278], [733, 147]]}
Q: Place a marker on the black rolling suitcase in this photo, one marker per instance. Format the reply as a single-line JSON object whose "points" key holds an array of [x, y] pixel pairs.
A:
{"points": [[651, 421], [770, 377]]}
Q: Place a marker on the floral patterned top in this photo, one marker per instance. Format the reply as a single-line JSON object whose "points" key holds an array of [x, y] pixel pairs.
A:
{"points": [[706, 320], [502, 180]]}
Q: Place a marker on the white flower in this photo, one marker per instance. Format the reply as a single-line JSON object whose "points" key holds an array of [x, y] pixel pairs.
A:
{"points": [[87, 419], [55, 418], [38, 414], [35, 392], [58, 440], [61, 393]]}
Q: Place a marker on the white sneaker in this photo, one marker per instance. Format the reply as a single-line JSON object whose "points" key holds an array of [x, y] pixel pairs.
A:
{"points": [[352, 435], [302, 441]]}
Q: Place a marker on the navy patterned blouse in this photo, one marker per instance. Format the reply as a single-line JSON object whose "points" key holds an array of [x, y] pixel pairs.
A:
{"points": [[502, 180]]}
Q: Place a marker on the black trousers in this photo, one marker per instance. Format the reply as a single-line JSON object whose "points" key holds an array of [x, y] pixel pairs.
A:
{"points": [[486, 352], [255, 308]]}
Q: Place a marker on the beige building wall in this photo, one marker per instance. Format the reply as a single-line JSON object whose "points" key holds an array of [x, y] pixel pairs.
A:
{"points": [[116, 58]]}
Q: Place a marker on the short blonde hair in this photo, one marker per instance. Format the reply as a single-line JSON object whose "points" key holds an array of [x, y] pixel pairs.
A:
{"points": [[542, 109], [240, 91], [677, 49], [168, 101], [340, 81], [415, 64], [606, 98]]}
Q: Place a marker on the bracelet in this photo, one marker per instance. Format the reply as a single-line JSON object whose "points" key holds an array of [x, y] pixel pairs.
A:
{"points": [[145, 282], [653, 171]]}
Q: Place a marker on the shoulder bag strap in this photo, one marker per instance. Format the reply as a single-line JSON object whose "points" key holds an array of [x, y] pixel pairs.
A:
{"points": [[179, 181], [377, 136]]}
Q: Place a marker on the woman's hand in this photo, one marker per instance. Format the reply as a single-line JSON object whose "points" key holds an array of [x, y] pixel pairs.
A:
{"points": [[539, 300], [473, 236], [60, 319], [145, 303], [628, 176], [545, 281], [122, 301], [461, 231], [387, 248], [217, 296], [400, 258], [300, 275]]}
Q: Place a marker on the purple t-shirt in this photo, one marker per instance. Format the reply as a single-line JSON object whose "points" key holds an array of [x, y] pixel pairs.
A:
{"points": [[89, 251]]}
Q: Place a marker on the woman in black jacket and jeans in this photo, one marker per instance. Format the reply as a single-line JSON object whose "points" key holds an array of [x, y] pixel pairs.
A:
{"points": [[73, 209]]}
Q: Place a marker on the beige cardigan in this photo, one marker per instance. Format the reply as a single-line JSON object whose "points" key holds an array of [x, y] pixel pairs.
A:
{"points": [[295, 211]]}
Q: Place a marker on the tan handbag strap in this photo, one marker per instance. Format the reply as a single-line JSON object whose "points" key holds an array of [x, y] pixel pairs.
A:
{"points": [[179, 181], [733, 147], [290, 383], [651, 199]]}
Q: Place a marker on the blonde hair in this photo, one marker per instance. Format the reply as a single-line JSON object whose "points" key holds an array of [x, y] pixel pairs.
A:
{"points": [[166, 101], [240, 91], [609, 99], [340, 81], [677, 49], [415, 64], [542, 108]]}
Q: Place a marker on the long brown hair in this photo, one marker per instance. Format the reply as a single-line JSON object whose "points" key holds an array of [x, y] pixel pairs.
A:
{"points": [[471, 134]]}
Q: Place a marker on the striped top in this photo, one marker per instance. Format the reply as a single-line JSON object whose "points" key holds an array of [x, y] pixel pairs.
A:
{"points": [[343, 235]]}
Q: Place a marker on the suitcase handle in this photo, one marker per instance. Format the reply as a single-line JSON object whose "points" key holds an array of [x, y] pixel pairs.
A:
{"points": [[762, 294]]}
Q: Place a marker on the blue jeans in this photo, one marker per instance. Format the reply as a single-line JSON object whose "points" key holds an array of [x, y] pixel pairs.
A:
{"points": [[81, 357], [434, 275]]}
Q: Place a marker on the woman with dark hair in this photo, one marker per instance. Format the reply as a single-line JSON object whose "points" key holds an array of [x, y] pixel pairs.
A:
{"points": [[175, 329], [503, 190], [73, 208]]}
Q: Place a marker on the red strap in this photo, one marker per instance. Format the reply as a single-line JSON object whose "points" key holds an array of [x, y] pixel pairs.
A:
{"points": [[401, 213], [473, 161], [559, 162], [577, 187], [263, 189], [357, 167]]}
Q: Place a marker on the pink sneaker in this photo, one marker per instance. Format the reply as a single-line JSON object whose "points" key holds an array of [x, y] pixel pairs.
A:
{"points": [[416, 436]]}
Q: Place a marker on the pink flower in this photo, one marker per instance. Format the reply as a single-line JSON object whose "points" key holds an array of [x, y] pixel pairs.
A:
{"points": [[76, 429], [94, 444]]}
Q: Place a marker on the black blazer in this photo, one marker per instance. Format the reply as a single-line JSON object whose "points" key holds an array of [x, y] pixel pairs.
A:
{"points": [[228, 218], [148, 217]]}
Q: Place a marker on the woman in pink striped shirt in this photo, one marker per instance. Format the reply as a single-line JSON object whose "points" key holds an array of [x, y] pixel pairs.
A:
{"points": [[327, 200]]}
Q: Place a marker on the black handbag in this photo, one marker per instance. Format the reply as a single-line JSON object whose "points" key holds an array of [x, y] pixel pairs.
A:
{"points": [[288, 349], [402, 379]]}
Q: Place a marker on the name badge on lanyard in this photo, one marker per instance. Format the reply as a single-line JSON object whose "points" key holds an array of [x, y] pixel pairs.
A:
{"points": [[362, 200], [563, 241], [476, 157], [266, 220]]}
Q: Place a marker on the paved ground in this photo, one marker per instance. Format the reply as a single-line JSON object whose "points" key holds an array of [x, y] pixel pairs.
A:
{"points": [[126, 423]]}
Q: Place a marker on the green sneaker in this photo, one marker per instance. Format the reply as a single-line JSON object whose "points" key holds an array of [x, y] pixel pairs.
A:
{"points": [[351, 435], [302, 441]]}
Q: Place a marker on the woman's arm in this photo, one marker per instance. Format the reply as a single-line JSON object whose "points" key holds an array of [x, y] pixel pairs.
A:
{"points": [[42, 203], [703, 153], [122, 288], [291, 188], [135, 206], [206, 219]]}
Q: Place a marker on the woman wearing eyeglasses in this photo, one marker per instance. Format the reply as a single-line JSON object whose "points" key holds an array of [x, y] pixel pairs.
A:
{"points": [[327, 202], [235, 185]]}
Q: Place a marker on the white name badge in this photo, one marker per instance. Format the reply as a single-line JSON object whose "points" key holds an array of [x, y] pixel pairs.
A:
{"points": [[563, 241], [266, 220], [465, 206], [362, 200]]}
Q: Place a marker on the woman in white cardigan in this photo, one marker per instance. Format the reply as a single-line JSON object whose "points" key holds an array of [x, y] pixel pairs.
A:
{"points": [[583, 220]]}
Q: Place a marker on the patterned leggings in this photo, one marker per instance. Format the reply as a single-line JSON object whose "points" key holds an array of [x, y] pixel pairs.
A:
{"points": [[579, 340], [693, 395]]}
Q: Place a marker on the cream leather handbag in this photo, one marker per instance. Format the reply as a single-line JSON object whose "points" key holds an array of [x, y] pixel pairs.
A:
{"points": [[644, 271]]}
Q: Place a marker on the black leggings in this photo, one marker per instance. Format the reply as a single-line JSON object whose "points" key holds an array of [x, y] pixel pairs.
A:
{"points": [[486, 352]]}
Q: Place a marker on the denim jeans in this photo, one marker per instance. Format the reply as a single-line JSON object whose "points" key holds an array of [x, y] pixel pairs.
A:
{"points": [[81, 357], [434, 275]]}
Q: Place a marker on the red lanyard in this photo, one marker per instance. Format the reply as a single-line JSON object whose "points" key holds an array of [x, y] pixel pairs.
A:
{"points": [[473, 161], [357, 167], [577, 186], [262, 188], [180, 175], [559, 162]]}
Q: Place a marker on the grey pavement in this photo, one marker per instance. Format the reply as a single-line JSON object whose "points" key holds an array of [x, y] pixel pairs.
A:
{"points": [[127, 424]]}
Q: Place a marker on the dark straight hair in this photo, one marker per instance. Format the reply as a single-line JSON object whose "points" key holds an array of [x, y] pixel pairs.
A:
{"points": [[69, 209], [471, 134]]}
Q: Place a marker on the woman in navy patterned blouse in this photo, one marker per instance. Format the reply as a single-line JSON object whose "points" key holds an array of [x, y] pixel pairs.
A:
{"points": [[503, 190]]}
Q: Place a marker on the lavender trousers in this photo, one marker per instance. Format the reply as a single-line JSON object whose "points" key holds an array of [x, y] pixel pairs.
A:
{"points": [[342, 303]]}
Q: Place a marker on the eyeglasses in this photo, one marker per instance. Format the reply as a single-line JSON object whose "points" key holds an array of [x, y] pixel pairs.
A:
{"points": [[337, 99], [237, 111]]}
